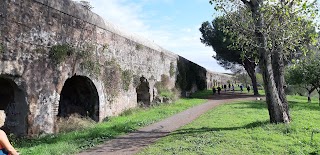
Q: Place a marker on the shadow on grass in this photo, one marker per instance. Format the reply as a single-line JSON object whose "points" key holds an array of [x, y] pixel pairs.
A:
{"points": [[207, 94], [190, 131], [315, 152], [253, 105], [293, 105], [303, 106]]}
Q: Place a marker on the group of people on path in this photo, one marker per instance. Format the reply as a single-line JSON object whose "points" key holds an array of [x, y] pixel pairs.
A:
{"points": [[230, 86], [214, 90], [248, 88]]}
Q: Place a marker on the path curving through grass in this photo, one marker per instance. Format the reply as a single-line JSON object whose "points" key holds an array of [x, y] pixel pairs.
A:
{"points": [[244, 128]]}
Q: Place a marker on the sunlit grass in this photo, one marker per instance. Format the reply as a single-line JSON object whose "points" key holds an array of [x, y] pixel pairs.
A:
{"points": [[244, 128]]}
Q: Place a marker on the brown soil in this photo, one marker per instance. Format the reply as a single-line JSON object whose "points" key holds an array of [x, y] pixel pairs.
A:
{"points": [[135, 141]]}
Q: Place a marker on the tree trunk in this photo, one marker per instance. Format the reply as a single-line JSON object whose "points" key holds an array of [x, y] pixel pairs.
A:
{"points": [[250, 68], [318, 90], [309, 92], [278, 69], [254, 84], [277, 111], [319, 98], [309, 97]]}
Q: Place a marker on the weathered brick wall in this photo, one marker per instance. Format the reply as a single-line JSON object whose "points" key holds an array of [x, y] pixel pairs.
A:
{"points": [[29, 29]]}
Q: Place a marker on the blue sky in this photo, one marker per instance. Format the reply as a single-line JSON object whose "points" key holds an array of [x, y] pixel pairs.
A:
{"points": [[172, 24]]}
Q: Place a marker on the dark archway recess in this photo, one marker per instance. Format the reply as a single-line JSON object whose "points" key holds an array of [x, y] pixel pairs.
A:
{"points": [[143, 94], [13, 102], [79, 96]]}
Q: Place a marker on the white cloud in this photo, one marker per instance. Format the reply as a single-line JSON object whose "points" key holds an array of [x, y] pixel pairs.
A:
{"points": [[130, 17], [122, 13]]}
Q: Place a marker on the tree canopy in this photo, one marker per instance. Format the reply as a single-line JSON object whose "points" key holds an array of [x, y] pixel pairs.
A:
{"points": [[224, 44], [213, 35]]}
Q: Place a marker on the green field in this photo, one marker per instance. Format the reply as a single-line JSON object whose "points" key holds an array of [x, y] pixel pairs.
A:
{"points": [[243, 128]]}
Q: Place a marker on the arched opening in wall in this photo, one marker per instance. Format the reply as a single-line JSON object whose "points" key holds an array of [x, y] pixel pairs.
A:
{"points": [[79, 96], [13, 102], [143, 94]]}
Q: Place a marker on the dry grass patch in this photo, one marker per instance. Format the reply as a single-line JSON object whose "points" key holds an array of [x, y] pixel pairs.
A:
{"points": [[74, 122]]}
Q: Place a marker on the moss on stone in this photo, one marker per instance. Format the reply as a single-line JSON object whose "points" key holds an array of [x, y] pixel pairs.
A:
{"points": [[172, 70], [162, 56], [139, 47], [105, 47], [126, 78], [111, 79], [40, 50], [92, 67], [1, 48], [136, 81], [59, 53]]}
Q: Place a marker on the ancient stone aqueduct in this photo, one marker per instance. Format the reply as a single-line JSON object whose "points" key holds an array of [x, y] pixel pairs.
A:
{"points": [[58, 57]]}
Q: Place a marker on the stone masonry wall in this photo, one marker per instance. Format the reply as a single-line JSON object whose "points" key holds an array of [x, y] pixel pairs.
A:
{"points": [[101, 58]]}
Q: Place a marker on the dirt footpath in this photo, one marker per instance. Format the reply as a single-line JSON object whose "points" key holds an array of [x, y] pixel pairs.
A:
{"points": [[135, 141]]}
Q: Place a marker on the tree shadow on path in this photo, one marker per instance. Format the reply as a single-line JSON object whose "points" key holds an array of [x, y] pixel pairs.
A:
{"points": [[191, 131]]}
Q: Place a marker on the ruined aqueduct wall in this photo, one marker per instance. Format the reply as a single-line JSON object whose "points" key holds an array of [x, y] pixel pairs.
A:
{"points": [[51, 50]]}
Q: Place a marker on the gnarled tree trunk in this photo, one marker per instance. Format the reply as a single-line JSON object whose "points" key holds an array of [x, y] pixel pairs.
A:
{"points": [[250, 68], [278, 111], [278, 70]]}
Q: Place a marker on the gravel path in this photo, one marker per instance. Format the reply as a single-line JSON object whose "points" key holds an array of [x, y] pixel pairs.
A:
{"points": [[133, 142]]}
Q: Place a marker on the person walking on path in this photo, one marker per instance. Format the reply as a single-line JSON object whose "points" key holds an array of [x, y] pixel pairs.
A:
{"points": [[232, 87], [219, 90], [225, 87], [213, 90], [241, 88], [248, 88]]}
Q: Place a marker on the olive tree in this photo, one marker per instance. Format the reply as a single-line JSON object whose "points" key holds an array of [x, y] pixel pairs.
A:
{"points": [[306, 72], [278, 28]]}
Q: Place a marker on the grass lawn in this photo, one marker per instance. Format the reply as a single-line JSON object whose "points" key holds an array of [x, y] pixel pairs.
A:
{"points": [[73, 142], [244, 128]]}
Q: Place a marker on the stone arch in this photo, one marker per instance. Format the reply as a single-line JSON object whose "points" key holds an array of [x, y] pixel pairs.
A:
{"points": [[79, 96], [13, 102], [143, 94]]}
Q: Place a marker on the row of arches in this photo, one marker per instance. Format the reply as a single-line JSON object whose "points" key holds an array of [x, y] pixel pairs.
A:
{"points": [[78, 95]]}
